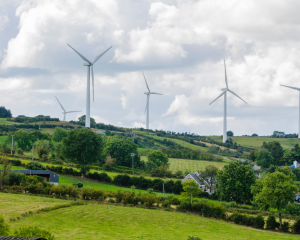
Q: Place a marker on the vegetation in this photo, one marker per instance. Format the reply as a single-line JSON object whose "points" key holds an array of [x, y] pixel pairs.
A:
{"points": [[5, 113], [191, 188]]}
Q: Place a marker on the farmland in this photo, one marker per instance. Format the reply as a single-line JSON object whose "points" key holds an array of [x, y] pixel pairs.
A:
{"points": [[256, 142], [95, 221]]}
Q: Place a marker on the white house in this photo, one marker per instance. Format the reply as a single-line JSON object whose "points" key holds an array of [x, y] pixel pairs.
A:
{"points": [[196, 178]]}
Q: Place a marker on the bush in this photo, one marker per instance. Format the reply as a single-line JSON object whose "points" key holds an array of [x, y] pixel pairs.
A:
{"points": [[184, 206], [293, 209], [259, 222], [20, 151], [30, 231], [296, 226], [13, 178], [4, 227], [271, 223], [111, 200], [35, 166], [166, 204], [285, 227]]}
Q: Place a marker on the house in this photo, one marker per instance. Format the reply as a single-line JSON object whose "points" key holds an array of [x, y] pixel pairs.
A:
{"points": [[48, 175], [296, 164], [195, 177]]}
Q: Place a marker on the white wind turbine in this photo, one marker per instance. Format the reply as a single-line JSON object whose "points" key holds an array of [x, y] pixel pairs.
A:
{"points": [[89, 65], [147, 106], [225, 105], [65, 112], [298, 89]]}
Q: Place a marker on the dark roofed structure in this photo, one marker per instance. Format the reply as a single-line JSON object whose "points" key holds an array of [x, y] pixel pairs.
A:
{"points": [[48, 175]]}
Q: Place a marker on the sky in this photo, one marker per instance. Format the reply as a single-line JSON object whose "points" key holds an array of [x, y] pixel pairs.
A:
{"points": [[179, 45]]}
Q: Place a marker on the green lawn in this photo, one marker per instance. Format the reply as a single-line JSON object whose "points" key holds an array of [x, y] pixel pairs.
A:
{"points": [[95, 222], [286, 143], [3, 139], [5, 122], [12, 205]]}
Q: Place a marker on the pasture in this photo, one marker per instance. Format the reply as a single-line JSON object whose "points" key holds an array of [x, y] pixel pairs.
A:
{"points": [[256, 142], [190, 165], [3, 139], [95, 221]]}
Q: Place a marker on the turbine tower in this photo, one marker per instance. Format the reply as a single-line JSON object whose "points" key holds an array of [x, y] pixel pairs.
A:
{"points": [[225, 90], [65, 112], [147, 106], [89, 65], [298, 89]]}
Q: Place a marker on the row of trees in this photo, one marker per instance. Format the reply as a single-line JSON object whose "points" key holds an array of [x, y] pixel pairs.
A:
{"points": [[5, 113]]}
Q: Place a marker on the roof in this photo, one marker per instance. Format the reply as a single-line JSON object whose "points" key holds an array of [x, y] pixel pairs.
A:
{"points": [[53, 176], [196, 178], [21, 238]]}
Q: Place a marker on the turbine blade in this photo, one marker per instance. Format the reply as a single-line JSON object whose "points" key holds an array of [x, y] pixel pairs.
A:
{"points": [[146, 82], [225, 75], [298, 89], [217, 97], [155, 93], [99, 56], [236, 95], [92, 80], [83, 57], [64, 116], [72, 111], [60, 104]]}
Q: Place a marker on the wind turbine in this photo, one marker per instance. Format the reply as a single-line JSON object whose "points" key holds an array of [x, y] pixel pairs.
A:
{"points": [[225, 90], [65, 112], [298, 89], [147, 106], [89, 65]]}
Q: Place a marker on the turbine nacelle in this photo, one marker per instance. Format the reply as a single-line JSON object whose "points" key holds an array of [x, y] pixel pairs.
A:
{"points": [[87, 64], [224, 89]]}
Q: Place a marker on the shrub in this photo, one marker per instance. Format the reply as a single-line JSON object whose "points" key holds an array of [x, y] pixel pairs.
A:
{"points": [[259, 222], [271, 223], [20, 151], [149, 200], [293, 209], [184, 206], [4, 227], [35, 166], [111, 200], [193, 238], [30, 231], [166, 203], [285, 227], [296, 226], [13, 178]]}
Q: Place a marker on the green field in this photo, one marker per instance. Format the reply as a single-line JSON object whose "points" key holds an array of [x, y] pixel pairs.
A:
{"points": [[5, 122], [116, 222], [181, 142], [191, 165], [3, 139], [256, 142]]}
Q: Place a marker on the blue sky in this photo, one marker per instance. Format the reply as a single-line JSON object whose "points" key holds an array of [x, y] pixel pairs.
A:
{"points": [[180, 46]]}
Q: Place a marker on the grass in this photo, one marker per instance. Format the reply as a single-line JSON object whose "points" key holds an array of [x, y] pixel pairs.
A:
{"points": [[256, 142], [116, 222], [190, 165], [5, 122], [181, 142], [12, 205], [3, 139]]}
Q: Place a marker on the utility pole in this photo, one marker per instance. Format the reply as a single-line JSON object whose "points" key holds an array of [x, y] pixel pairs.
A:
{"points": [[12, 143], [164, 188], [32, 151], [131, 134], [132, 156]]}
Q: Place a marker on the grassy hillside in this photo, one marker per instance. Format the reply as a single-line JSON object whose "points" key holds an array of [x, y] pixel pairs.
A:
{"points": [[286, 143], [3, 139], [181, 142], [117, 222], [191, 165]]}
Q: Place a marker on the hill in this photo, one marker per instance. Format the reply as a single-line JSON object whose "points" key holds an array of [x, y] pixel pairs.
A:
{"points": [[256, 142], [94, 221]]}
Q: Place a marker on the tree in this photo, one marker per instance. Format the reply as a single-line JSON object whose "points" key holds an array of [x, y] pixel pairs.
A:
{"points": [[83, 147], [230, 133], [234, 182], [43, 147], [252, 155], [264, 158], [287, 158], [278, 189], [254, 135], [121, 148], [5, 167], [191, 188], [158, 157], [275, 149], [59, 134], [5, 113], [81, 120], [209, 176], [4, 227]]}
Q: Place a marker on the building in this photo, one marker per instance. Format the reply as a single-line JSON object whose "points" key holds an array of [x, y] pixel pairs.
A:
{"points": [[48, 175], [195, 177]]}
